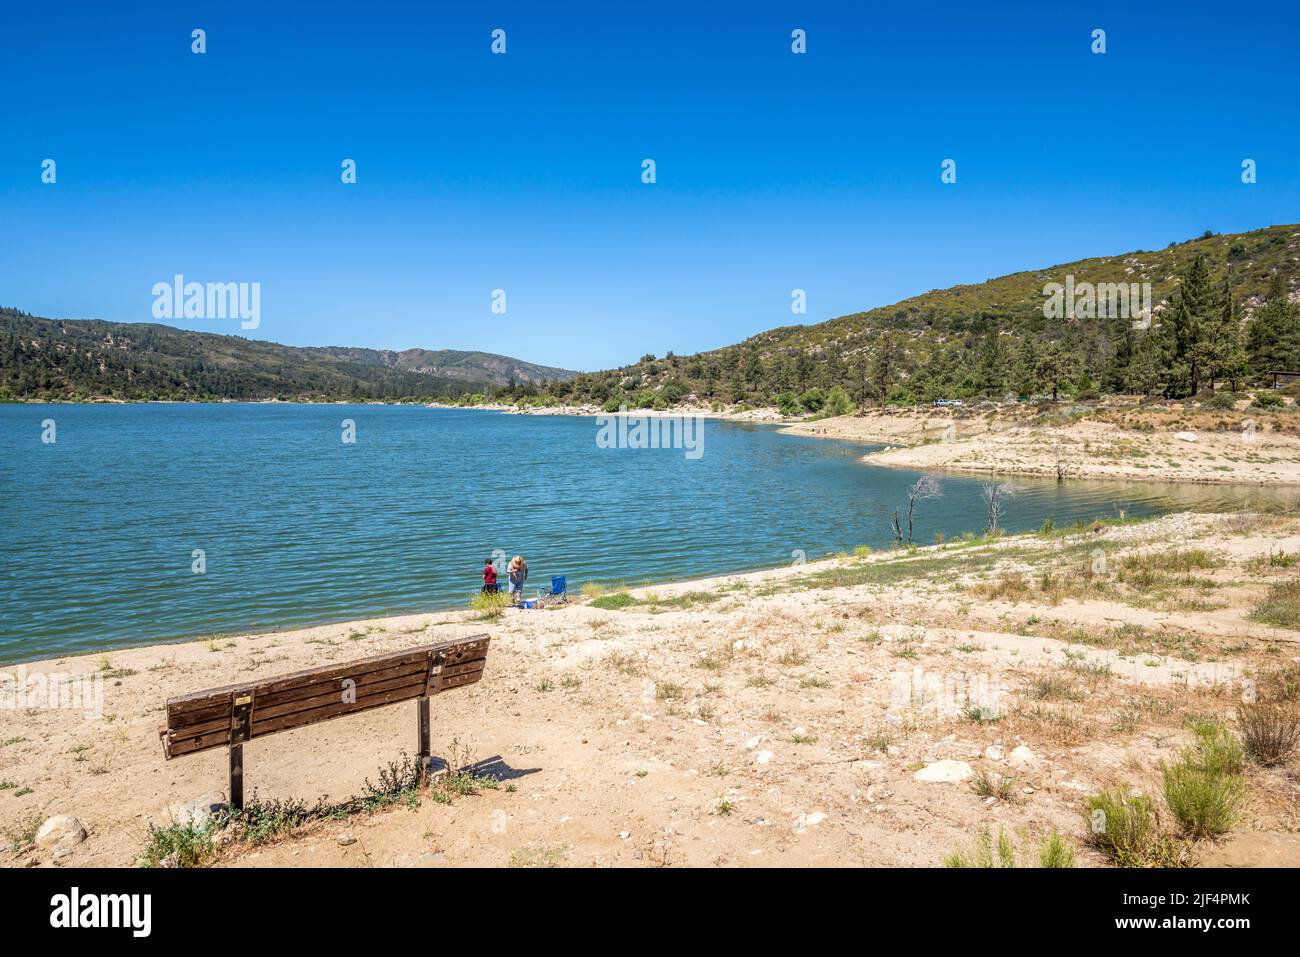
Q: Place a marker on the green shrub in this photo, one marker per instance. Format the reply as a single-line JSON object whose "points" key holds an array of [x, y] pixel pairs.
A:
{"points": [[613, 602], [179, 845], [1267, 400], [837, 403], [984, 851], [1126, 828], [813, 400], [1056, 851], [1217, 750], [1280, 607], [490, 604], [1204, 804], [788, 403], [1204, 789]]}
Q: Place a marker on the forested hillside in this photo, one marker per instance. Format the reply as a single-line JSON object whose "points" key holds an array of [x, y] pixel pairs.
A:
{"points": [[1223, 313], [83, 359]]}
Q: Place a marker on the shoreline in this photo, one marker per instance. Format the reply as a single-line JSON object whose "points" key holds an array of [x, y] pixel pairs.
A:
{"points": [[759, 690], [1193, 448]]}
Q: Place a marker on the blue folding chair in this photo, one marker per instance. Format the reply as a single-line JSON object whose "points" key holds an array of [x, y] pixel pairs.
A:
{"points": [[558, 588]]}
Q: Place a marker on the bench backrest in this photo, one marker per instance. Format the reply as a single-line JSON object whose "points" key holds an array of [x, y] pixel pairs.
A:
{"points": [[234, 714]]}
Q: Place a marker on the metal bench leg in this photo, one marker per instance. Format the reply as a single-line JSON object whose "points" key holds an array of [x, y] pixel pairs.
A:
{"points": [[237, 777], [422, 722]]}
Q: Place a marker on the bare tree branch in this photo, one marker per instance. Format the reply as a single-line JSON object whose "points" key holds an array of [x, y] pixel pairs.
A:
{"points": [[995, 498]]}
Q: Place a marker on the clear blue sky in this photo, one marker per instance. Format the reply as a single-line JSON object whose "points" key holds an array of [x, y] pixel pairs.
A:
{"points": [[522, 171]]}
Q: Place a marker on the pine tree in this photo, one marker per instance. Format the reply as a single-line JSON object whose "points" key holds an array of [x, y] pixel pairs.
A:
{"points": [[1146, 372], [1194, 308], [1216, 348], [1271, 335], [1057, 364], [885, 365]]}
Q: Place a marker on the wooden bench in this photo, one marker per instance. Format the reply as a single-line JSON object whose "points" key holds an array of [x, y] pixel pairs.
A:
{"points": [[227, 717]]}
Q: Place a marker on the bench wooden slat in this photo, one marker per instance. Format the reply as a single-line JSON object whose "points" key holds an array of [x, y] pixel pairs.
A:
{"points": [[202, 703], [336, 686], [458, 681], [200, 729], [334, 695], [409, 692], [465, 666], [214, 739], [416, 657], [205, 719]]}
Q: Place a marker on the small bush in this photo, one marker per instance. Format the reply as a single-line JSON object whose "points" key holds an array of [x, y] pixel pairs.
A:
{"points": [[613, 601], [1217, 750], [1280, 607], [1267, 400], [1056, 851], [490, 604], [263, 821], [1126, 828], [1204, 804], [1010, 586], [179, 845], [813, 400], [984, 851], [1270, 730], [837, 403], [25, 833], [994, 785]]}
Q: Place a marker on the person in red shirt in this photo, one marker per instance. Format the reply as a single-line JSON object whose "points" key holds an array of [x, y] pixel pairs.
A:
{"points": [[489, 577]]}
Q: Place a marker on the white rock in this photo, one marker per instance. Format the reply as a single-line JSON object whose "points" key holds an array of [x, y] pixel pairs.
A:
{"points": [[993, 753], [762, 757], [944, 772], [751, 743], [346, 839], [1185, 436], [199, 810], [805, 821], [62, 830], [1022, 756]]}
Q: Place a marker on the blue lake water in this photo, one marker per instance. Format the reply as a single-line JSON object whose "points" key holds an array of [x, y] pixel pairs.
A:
{"points": [[97, 529]]}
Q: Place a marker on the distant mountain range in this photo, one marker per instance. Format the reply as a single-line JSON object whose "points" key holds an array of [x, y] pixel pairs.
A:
{"points": [[74, 358]]}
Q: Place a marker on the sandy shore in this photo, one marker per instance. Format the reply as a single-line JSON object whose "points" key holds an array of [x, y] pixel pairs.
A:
{"points": [[773, 718], [1218, 448]]}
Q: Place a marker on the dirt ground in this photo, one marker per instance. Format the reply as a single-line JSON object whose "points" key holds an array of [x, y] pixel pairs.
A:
{"points": [[776, 718]]}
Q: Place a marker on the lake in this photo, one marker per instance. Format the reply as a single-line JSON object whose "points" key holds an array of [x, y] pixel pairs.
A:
{"points": [[98, 529]]}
